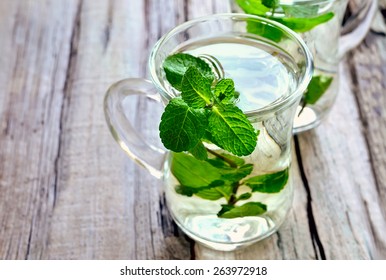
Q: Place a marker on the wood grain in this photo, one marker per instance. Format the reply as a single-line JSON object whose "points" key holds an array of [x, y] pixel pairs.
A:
{"points": [[33, 72], [346, 194], [108, 207], [368, 70]]}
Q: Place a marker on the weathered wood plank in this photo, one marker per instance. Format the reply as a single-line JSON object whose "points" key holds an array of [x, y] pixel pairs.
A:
{"points": [[368, 69], [343, 190], [34, 47], [108, 208], [346, 194]]}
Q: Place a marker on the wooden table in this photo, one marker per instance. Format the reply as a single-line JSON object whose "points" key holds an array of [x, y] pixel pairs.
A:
{"points": [[68, 192]]}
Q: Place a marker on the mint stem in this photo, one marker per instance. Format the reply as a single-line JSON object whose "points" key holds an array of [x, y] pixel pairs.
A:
{"points": [[227, 160], [304, 104], [232, 200], [273, 11]]}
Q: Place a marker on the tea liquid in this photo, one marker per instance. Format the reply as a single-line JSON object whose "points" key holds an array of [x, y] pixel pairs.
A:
{"points": [[262, 74]]}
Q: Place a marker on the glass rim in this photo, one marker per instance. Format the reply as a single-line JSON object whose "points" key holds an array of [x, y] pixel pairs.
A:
{"points": [[277, 104]]}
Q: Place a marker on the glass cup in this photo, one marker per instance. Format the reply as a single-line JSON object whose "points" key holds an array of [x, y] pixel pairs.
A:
{"points": [[320, 24], [224, 202]]}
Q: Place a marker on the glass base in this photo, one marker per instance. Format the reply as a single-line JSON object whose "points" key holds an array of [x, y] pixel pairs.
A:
{"points": [[229, 235], [308, 118]]}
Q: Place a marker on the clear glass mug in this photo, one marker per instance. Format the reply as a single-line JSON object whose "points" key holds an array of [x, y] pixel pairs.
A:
{"points": [[325, 38], [225, 202]]}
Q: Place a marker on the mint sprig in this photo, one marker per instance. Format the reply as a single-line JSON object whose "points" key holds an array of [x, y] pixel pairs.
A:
{"points": [[300, 19], [205, 110], [216, 178]]}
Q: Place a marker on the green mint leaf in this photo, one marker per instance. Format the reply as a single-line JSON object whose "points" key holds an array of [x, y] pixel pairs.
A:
{"points": [[192, 172], [237, 160], [304, 24], [210, 194], [232, 168], [316, 88], [268, 183], [215, 193], [225, 208], [296, 24], [231, 130], [255, 7], [247, 209], [176, 65], [236, 174], [224, 160], [265, 30], [225, 90], [182, 190], [209, 190], [196, 88], [181, 127], [208, 137], [244, 196], [270, 3], [199, 151]]}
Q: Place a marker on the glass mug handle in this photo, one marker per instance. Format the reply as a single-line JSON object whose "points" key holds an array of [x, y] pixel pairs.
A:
{"points": [[358, 26], [139, 150]]}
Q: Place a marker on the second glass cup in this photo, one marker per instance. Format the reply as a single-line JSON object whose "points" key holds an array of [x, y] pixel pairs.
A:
{"points": [[224, 201], [319, 22]]}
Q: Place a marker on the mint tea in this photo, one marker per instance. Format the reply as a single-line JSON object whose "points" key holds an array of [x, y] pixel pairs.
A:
{"points": [[228, 200], [229, 97]]}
